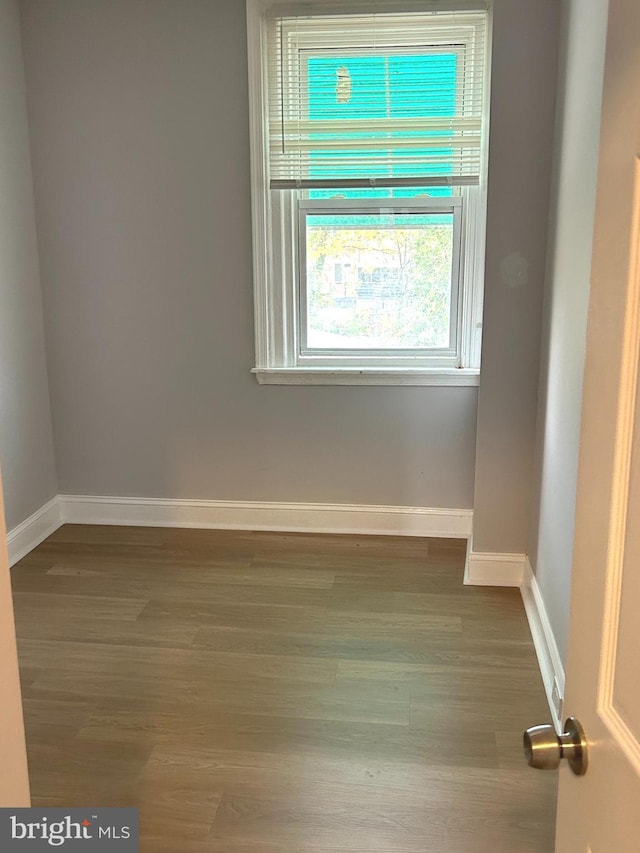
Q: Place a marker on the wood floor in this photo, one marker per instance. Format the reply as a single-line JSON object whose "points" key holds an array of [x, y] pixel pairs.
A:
{"points": [[281, 693]]}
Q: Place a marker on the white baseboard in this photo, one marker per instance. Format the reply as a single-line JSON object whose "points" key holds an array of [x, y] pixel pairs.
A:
{"points": [[33, 530], [236, 515], [549, 659], [483, 569], [486, 569], [292, 517]]}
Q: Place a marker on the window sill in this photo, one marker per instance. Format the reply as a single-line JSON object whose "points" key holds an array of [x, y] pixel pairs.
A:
{"points": [[366, 376]]}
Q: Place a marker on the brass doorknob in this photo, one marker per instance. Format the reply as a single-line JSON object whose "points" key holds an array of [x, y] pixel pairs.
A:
{"points": [[544, 749]]}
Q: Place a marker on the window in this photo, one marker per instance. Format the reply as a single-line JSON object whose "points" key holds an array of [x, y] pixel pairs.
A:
{"points": [[369, 193]]}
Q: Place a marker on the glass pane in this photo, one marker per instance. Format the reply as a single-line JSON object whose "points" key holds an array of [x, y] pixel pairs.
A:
{"points": [[368, 100], [379, 281]]}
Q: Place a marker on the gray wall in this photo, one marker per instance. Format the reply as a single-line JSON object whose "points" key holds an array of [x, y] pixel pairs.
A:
{"points": [[522, 116], [140, 148], [26, 445], [565, 317]]}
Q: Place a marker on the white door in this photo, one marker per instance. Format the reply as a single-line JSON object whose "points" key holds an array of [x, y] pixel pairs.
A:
{"points": [[14, 781], [600, 811]]}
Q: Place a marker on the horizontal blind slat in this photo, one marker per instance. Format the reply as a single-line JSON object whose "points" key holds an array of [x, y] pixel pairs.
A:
{"points": [[372, 183]]}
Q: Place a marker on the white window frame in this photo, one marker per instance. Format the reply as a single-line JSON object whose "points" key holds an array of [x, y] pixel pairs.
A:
{"points": [[276, 217]]}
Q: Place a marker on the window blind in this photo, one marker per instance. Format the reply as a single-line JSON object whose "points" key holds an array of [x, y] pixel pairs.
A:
{"points": [[376, 100]]}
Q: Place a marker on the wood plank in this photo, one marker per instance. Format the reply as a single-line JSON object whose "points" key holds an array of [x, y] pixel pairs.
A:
{"points": [[73, 605]]}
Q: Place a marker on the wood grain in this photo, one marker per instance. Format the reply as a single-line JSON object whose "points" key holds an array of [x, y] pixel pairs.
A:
{"points": [[280, 693]]}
